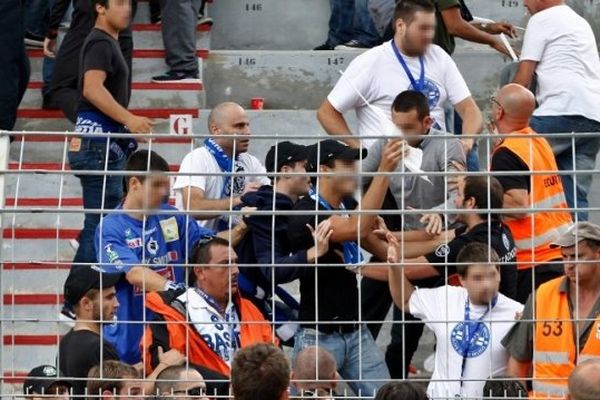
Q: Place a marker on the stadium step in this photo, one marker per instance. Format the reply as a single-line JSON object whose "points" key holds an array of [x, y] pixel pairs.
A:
{"points": [[143, 95], [146, 63]]}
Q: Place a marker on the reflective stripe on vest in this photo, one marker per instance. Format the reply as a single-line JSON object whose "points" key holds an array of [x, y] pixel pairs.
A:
{"points": [[534, 233], [555, 353], [539, 240], [551, 389], [552, 357]]}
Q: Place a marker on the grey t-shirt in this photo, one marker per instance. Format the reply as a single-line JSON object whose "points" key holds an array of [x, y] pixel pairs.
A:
{"points": [[440, 150]]}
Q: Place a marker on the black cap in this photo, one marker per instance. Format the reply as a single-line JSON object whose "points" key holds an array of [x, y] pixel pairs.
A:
{"points": [[40, 379], [330, 149], [287, 152], [82, 279]]}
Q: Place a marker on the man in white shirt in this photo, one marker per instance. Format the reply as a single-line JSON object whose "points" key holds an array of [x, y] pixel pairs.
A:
{"points": [[469, 322], [559, 47], [408, 62], [223, 161]]}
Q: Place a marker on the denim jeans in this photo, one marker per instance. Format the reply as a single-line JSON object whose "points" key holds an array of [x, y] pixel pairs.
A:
{"points": [[350, 19], [98, 191], [351, 352], [584, 150]]}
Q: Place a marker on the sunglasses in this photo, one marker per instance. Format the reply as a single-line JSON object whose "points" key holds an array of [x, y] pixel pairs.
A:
{"points": [[494, 100], [197, 391]]}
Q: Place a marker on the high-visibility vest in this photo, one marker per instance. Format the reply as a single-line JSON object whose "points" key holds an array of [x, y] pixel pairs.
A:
{"points": [[181, 335], [555, 355], [534, 233]]}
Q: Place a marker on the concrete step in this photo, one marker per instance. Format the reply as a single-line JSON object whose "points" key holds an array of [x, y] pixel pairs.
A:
{"points": [[25, 278], [146, 63], [269, 24], [284, 123], [23, 357], [149, 36], [303, 79], [143, 95], [26, 250], [38, 120]]}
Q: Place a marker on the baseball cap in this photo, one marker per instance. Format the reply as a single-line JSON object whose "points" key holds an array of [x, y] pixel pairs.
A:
{"points": [[40, 379], [578, 232], [82, 279], [331, 149], [286, 152]]}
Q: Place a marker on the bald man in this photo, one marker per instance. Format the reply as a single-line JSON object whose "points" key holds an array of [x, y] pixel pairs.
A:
{"points": [[181, 382], [522, 153], [560, 50], [216, 190], [583, 382], [314, 373]]}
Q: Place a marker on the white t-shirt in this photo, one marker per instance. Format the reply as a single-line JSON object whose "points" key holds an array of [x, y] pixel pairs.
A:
{"points": [[379, 77], [568, 70], [486, 358], [220, 332], [201, 161]]}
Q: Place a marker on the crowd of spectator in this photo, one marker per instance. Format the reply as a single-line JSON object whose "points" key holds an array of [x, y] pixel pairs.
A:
{"points": [[503, 269]]}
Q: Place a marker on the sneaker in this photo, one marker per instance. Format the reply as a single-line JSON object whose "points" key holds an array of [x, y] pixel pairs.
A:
{"points": [[203, 20], [33, 40], [324, 46], [351, 45], [177, 77]]}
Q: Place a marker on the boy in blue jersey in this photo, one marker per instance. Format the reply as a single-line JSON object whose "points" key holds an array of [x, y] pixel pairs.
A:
{"points": [[149, 242]]}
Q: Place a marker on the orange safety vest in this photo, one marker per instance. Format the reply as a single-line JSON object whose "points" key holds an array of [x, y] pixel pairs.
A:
{"points": [[183, 337], [555, 355], [534, 233]]}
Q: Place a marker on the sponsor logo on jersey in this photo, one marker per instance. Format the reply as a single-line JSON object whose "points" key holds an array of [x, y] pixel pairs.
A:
{"points": [[170, 230], [111, 254], [134, 243]]}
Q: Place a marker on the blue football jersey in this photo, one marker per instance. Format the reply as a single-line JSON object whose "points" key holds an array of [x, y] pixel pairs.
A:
{"points": [[162, 242]]}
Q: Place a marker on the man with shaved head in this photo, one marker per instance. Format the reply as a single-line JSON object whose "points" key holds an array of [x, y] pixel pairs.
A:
{"points": [[213, 188], [314, 373], [525, 153], [560, 50], [584, 381]]}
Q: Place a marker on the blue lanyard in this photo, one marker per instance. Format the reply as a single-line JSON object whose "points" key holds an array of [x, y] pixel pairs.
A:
{"points": [[352, 254], [420, 86], [471, 335]]}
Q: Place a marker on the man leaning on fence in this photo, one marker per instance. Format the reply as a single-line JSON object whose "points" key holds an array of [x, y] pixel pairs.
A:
{"points": [[560, 326], [533, 183]]}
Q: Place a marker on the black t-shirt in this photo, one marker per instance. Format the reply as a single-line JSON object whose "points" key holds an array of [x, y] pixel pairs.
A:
{"points": [[506, 160], [337, 289], [101, 52], [78, 352], [500, 239]]}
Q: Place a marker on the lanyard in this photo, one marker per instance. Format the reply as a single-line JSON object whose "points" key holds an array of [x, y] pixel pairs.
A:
{"points": [[471, 335], [352, 254], [420, 86]]}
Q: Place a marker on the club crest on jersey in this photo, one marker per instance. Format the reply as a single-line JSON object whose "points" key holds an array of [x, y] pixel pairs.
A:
{"points": [[152, 246], [478, 344], [170, 230], [442, 251]]}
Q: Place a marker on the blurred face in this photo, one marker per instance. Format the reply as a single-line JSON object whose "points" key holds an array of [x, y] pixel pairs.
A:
{"points": [[582, 262], [107, 303], [215, 281], [299, 183], [345, 182], [117, 13], [411, 126], [57, 391], [152, 192], [482, 283], [416, 35], [233, 122], [190, 387], [461, 202]]}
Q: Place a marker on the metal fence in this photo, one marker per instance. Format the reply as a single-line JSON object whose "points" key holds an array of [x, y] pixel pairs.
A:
{"points": [[43, 212]]}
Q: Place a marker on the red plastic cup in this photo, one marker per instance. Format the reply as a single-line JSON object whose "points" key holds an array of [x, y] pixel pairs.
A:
{"points": [[257, 103]]}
